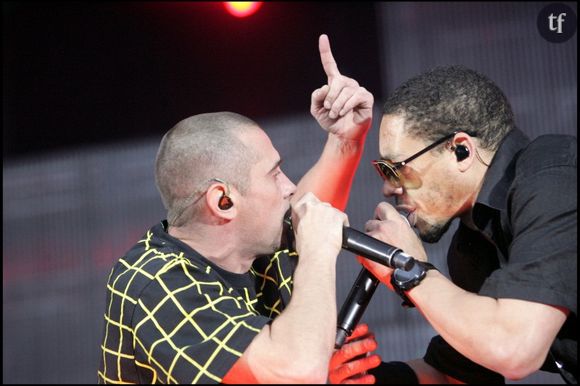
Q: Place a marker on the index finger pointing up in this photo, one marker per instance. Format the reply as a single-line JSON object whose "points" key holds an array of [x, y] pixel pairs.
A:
{"points": [[326, 57]]}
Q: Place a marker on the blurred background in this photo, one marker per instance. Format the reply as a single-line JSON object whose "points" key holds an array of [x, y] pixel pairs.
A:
{"points": [[89, 89]]}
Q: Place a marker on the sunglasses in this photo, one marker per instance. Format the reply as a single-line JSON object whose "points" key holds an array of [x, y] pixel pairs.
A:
{"points": [[390, 171]]}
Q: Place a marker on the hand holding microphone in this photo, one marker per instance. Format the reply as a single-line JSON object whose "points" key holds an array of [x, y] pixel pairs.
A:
{"points": [[317, 227], [370, 248], [366, 283], [393, 225]]}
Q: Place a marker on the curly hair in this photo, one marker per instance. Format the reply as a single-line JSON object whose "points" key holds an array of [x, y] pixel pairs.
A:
{"points": [[444, 99]]}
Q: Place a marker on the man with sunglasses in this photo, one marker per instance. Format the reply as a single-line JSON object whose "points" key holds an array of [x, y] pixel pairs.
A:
{"points": [[450, 149]]}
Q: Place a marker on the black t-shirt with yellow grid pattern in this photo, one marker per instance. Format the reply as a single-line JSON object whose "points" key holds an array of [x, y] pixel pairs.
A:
{"points": [[172, 316]]}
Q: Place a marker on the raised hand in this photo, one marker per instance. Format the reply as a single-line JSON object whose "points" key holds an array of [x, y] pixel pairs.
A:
{"points": [[342, 107]]}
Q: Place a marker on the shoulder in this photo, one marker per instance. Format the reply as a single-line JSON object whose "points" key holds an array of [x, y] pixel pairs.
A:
{"points": [[153, 257], [547, 151]]}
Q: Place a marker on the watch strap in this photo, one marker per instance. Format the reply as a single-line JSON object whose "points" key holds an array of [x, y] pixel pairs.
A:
{"points": [[403, 281]]}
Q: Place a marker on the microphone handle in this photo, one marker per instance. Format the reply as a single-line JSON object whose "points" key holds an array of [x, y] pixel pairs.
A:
{"points": [[375, 250], [355, 305], [362, 244]]}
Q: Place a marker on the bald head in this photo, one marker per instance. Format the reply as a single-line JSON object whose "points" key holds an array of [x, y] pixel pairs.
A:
{"points": [[200, 148]]}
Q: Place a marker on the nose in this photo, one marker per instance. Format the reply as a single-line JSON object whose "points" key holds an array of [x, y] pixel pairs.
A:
{"points": [[390, 190], [288, 187]]}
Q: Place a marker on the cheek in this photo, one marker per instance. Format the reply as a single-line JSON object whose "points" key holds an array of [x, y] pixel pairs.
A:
{"points": [[269, 194], [434, 199]]}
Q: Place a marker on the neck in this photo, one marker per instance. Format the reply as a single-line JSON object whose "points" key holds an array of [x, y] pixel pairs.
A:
{"points": [[217, 243], [479, 170]]}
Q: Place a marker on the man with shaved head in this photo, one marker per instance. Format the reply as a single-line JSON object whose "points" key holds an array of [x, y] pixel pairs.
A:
{"points": [[198, 148], [217, 293]]}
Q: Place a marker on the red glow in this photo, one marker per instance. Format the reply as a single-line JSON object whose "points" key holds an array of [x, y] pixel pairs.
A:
{"points": [[242, 8]]}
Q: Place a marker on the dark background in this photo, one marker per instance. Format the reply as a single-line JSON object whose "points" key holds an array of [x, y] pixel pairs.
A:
{"points": [[89, 88], [78, 73]]}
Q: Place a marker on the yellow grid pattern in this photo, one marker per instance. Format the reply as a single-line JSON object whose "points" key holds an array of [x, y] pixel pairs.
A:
{"points": [[172, 318]]}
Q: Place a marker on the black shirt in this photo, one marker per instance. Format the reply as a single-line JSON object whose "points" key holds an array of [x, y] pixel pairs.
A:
{"points": [[525, 246], [172, 316]]}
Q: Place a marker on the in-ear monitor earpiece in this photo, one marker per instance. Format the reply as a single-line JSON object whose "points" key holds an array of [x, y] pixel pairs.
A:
{"points": [[225, 201]]}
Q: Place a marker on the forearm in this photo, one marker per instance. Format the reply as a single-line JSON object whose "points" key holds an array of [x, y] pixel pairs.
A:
{"points": [[498, 334], [468, 322], [311, 314], [299, 343], [330, 179]]}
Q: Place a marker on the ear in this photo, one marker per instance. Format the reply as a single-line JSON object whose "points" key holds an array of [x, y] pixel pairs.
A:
{"points": [[466, 150], [212, 199]]}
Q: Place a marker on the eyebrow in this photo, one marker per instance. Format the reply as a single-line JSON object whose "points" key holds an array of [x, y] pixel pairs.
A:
{"points": [[276, 165], [392, 159]]}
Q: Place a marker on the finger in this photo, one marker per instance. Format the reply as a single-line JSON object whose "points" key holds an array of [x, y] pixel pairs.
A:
{"points": [[363, 365], [361, 99], [328, 63], [333, 91], [371, 225], [341, 374], [318, 95], [360, 330], [308, 197], [356, 367], [357, 348], [338, 85], [385, 211], [338, 104]]}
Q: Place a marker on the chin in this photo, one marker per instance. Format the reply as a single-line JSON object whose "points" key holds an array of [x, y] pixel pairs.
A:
{"points": [[268, 250], [432, 233]]}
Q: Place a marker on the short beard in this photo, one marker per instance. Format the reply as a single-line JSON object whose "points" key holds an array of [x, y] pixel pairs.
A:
{"points": [[435, 232]]}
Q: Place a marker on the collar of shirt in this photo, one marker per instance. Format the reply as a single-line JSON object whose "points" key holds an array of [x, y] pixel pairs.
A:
{"points": [[162, 237], [493, 196]]}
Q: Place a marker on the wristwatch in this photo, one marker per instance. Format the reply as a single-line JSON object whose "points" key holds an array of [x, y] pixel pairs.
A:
{"points": [[402, 280]]}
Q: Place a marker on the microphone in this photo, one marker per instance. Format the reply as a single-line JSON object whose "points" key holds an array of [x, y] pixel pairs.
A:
{"points": [[366, 283], [375, 250], [369, 247], [355, 305]]}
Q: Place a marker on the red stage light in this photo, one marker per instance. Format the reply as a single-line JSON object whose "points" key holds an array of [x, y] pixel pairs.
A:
{"points": [[242, 8]]}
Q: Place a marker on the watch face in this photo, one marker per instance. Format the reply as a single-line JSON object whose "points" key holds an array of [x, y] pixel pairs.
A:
{"points": [[405, 276], [408, 279]]}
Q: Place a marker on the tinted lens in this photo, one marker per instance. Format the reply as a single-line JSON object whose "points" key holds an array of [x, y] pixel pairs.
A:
{"points": [[388, 173]]}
